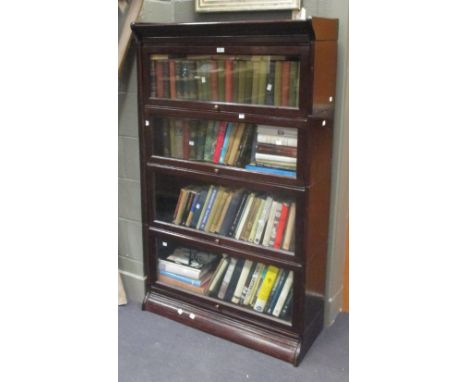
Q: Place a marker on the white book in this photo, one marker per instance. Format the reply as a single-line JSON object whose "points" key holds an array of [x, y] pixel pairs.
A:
{"points": [[253, 282], [253, 231], [284, 293], [218, 273], [262, 220], [242, 279], [182, 270], [243, 218], [227, 278], [276, 158], [288, 132], [276, 140], [270, 222]]}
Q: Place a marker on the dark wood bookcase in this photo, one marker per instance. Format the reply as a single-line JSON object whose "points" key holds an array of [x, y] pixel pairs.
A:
{"points": [[304, 104]]}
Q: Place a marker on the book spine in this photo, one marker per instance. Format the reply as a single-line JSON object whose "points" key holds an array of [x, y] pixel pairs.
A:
{"points": [[241, 283], [227, 278], [262, 220], [255, 81], [243, 218], [172, 79], [276, 291], [265, 289], [256, 288], [181, 206], [285, 83], [216, 210], [188, 221], [287, 306], [221, 91], [208, 209], [152, 79], [273, 171], [205, 205], [276, 150], [234, 279], [289, 227], [159, 79], [270, 84], [277, 86], [222, 216], [218, 276], [228, 90], [213, 81], [235, 81], [278, 158], [281, 226], [245, 288], [248, 82], [253, 284], [275, 140], [186, 140], [219, 142], [188, 207], [250, 220], [230, 213], [237, 217], [269, 224], [214, 141], [226, 142], [262, 81], [274, 228], [181, 278], [198, 206], [253, 230], [165, 78], [284, 293], [293, 84], [244, 147]]}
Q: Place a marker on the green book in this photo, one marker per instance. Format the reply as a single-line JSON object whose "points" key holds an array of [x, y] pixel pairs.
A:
{"points": [[203, 80], [220, 69], [208, 138], [277, 84], [241, 85], [255, 80], [262, 81], [191, 84], [201, 134], [193, 126], [178, 140], [293, 84], [179, 84], [166, 149], [248, 81], [270, 84], [235, 81]]}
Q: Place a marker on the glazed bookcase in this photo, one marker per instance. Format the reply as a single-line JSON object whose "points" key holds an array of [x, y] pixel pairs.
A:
{"points": [[310, 47]]}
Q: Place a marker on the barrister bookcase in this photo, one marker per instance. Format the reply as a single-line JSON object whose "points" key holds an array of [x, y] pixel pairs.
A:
{"points": [[235, 129]]}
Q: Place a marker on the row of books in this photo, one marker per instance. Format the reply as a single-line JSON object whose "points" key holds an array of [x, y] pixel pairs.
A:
{"points": [[248, 216], [212, 141], [264, 288], [263, 80], [274, 150]]}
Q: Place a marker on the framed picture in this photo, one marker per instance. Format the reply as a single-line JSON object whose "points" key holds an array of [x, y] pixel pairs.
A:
{"points": [[245, 5]]}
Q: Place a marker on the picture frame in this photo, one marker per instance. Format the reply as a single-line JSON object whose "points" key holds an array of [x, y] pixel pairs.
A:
{"points": [[245, 5]]}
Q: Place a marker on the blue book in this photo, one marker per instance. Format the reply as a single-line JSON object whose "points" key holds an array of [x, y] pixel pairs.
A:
{"points": [[208, 208], [229, 130], [197, 208], [274, 171], [276, 292], [184, 279]]}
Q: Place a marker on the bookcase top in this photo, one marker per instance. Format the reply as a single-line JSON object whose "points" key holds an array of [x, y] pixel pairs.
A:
{"points": [[316, 28]]}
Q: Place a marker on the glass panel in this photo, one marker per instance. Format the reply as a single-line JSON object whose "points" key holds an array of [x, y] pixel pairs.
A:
{"points": [[260, 148], [258, 218], [260, 80], [251, 285]]}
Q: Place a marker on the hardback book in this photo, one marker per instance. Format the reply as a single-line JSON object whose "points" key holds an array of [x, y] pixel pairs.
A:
{"points": [[229, 143], [239, 132], [253, 284], [276, 220], [245, 288], [188, 205], [198, 207], [179, 89], [180, 207], [227, 137], [213, 81], [210, 132], [270, 84], [166, 139], [219, 141], [220, 70], [262, 81], [209, 209], [280, 279], [224, 208], [281, 225], [286, 311], [277, 85], [193, 208], [241, 282], [238, 214], [229, 79], [185, 279], [256, 220], [200, 140], [153, 79], [159, 79], [245, 146], [284, 293], [270, 222], [288, 234], [250, 220], [272, 171], [192, 142], [178, 139], [235, 81], [208, 203], [231, 211], [218, 276], [293, 84], [244, 216], [263, 148], [248, 81], [172, 79], [266, 287], [288, 132], [241, 68], [262, 219], [286, 65], [234, 279], [227, 278], [257, 286], [165, 78], [216, 210]]}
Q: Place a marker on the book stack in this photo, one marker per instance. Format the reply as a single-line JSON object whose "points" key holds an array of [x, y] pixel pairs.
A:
{"points": [[275, 151], [264, 80], [264, 288], [187, 269], [253, 217], [211, 141]]}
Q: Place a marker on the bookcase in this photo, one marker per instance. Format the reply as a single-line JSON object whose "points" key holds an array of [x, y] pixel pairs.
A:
{"points": [[235, 127]]}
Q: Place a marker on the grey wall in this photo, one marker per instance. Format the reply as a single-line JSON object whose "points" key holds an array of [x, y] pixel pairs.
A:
{"points": [[130, 246]]}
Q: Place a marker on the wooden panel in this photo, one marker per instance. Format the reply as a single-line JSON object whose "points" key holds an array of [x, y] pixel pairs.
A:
{"points": [[346, 275]]}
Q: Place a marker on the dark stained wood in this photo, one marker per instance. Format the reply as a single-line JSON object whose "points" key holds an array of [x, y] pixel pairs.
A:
{"points": [[314, 43]]}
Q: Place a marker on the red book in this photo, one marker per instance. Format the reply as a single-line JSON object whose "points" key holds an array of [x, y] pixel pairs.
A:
{"points": [[214, 81], [281, 226], [265, 148], [159, 79], [228, 78], [172, 79], [219, 141], [285, 68], [186, 146]]}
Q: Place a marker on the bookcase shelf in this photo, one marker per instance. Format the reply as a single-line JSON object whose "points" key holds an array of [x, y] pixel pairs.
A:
{"points": [[235, 129]]}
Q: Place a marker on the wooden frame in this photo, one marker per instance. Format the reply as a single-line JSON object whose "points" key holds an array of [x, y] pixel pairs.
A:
{"points": [[245, 5], [315, 43]]}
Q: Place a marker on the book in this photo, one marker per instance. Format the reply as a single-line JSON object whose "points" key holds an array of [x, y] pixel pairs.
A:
{"points": [[289, 132], [165, 78], [234, 279], [269, 223], [264, 148], [218, 276], [237, 216], [281, 225], [241, 282], [273, 158], [228, 78], [190, 272], [208, 210], [239, 132], [180, 207], [177, 138], [198, 207], [180, 284], [256, 276], [245, 146], [262, 81], [284, 293], [250, 220], [286, 311], [277, 140], [205, 205], [184, 279], [192, 142], [213, 81], [280, 279], [245, 288], [241, 68], [245, 213], [293, 100], [256, 219], [153, 79], [224, 207], [159, 80], [277, 84], [172, 79], [235, 80], [262, 219], [274, 228], [220, 70], [200, 140], [285, 68], [211, 132], [248, 81], [257, 286], [270, 84], [272, 171], [289, 227], [193, 208], [188, 205], [255, 81], [230, 213], [265, 289], [219, 141], [216, 210], [227, 278], [185, 140], [229, 129]]}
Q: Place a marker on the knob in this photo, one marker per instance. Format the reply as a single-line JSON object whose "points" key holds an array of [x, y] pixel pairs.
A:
{"points": [[192, 316], [217, 306], [216, 170], [216, 107], [217, 241], [180, 311]]}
